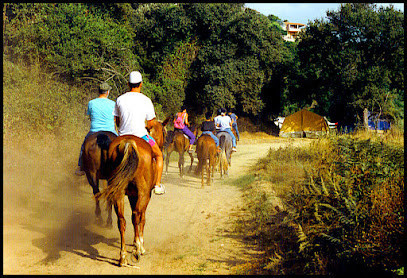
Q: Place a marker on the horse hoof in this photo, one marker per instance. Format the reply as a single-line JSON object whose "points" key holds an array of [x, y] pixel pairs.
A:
{"points": [[136, 256], [123, 261]]}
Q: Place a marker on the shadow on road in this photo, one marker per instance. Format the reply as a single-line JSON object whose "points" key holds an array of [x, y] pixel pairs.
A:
{"points": [[68, 235]]}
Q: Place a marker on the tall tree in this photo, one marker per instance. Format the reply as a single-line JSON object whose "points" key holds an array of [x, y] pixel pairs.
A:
{"points": [[354, 60]]}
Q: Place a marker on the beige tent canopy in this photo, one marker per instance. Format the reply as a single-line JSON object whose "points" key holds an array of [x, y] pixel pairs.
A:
{"points": [[303, 123]]}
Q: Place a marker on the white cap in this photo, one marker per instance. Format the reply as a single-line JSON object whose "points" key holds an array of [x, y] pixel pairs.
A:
{"points": [[135, 77]]}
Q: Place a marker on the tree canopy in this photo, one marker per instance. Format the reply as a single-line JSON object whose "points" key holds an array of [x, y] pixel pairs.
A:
{"points": [[211, 55]]}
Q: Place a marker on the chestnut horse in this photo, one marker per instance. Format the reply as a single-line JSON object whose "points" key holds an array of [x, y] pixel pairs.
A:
{"points": [[95, 155], [207, 153], [94, 159], [132, 174], [177, 141]]}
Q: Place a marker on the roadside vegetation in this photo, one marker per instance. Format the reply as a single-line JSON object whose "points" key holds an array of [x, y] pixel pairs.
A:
{"points": [[335, 206]]}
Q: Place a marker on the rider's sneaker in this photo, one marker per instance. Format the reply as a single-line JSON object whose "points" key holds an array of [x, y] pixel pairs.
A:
{"points": [[234, 149], [219, 150], [79, 172], [159, 189], [190, 150]]}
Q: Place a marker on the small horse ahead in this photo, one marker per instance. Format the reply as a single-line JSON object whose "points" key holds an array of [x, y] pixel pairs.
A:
{"points": [[225, 160], [207, 153], [177, 141]]}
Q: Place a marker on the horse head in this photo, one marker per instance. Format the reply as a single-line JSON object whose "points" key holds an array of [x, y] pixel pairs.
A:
{"points": [[158, 131]]}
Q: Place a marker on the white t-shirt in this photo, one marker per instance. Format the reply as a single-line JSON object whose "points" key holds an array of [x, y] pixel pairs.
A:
{"points": [[133, 109], [223, 121]]}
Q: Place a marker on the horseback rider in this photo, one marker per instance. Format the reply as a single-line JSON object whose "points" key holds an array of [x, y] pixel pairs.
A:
{"points": [[100, 111], [224, 123], [181, 123], [208, 127], [131, 111], [234, 118]]}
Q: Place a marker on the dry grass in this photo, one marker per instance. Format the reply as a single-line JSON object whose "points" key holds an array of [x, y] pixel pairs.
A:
{"points": [[302, 199]]}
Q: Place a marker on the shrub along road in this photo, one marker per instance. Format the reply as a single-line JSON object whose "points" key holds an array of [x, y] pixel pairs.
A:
{"points": [[49, 225]]}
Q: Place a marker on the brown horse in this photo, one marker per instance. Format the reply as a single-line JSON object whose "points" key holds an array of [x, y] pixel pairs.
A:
{"points": [[95, 155], [132, 174], [94, 159], [207, 153], [177, 141]]}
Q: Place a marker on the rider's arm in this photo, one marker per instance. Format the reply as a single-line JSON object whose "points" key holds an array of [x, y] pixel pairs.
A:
{"points": [[186, 119]]}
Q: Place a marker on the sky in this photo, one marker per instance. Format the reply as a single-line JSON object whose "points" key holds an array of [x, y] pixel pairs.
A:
{"points": [[302, 12]]}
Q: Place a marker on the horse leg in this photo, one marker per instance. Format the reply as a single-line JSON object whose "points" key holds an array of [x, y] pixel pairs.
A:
{"points": [[208, 172], [135, 219], [212, 172], [181, 164], [94, 182], [167, 159], [109, 221], [121, 223], [139, 206], [192, 161], [202, 171]]}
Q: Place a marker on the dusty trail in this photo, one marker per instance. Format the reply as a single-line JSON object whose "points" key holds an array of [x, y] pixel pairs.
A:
{"points": [[48, 221]]}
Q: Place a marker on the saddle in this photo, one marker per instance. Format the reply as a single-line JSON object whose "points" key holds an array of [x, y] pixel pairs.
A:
{"points": [[180, 131], [221, 132]]}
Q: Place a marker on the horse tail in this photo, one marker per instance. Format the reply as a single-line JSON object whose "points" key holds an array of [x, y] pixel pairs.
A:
{"points": [[168, 139], [123, 173], [222, 142], [103, 141]]}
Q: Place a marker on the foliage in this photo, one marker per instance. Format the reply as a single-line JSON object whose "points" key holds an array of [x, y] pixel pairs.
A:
{"points": [[234, 60], [344, 198], [174, 75], [71, 41], [218, 55], [41, 105]]}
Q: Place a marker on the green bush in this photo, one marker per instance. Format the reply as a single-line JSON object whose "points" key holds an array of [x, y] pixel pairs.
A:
{"points": [[351, 207], [343, 200]]}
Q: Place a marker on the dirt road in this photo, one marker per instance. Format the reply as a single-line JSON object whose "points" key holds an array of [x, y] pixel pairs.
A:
{"points": [[49, 227]]}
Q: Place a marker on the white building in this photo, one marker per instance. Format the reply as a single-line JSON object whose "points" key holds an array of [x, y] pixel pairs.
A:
{"points": [[293, 29]]}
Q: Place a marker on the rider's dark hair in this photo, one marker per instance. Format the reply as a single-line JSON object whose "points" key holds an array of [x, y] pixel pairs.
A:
{"points": [[208, 115], [183, 107], [134, 85]]}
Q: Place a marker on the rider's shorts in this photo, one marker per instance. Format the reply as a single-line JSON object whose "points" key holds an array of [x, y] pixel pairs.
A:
{"points": [[149, 139]]}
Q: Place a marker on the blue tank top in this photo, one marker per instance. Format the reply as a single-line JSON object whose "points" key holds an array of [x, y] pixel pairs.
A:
{"points": [[101, 115]]}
